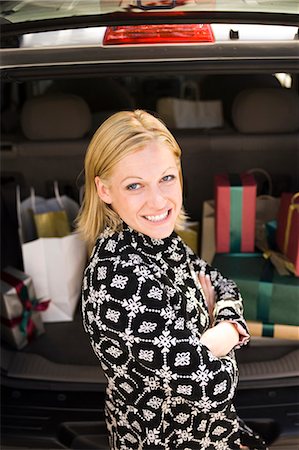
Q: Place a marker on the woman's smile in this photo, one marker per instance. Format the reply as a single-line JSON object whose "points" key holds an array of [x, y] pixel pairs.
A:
{"points": [[158, 218]]}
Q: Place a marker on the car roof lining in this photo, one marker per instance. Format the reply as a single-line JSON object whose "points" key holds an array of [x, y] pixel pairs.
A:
{"points": [[148, 17]]}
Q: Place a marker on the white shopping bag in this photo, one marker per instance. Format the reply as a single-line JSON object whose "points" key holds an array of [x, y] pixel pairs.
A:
{"points": [[56, 266], [186, 113]]}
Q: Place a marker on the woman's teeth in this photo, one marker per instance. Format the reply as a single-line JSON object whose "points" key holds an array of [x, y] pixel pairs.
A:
{"points": [[157, 218]]}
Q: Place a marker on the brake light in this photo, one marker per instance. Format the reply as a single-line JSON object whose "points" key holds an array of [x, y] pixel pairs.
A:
{"points": [[158, 34]]}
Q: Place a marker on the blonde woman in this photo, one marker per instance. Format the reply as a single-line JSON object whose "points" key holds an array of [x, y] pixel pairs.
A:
{"points": [[169, 364]]}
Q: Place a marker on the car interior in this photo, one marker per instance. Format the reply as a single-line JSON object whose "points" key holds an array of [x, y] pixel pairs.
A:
{"points": [[46, 126]]}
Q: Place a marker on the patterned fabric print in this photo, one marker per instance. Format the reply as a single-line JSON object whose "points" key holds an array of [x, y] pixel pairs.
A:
{"points": [[144, 313]]}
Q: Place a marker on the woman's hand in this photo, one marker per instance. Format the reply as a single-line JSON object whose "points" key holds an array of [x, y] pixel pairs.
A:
{"points": [[209, 293], [221, 338]]}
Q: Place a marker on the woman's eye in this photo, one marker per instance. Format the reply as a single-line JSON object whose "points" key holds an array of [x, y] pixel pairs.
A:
{"points": [[168, 178], [133, 186]]}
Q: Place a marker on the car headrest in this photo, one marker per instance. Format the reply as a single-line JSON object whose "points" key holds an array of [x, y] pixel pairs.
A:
{"points": [[266, 111], [55, 117]]}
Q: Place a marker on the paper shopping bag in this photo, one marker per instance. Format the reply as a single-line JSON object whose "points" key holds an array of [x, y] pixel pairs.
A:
{"points": [[181, 113], [190, 113], [189, 234], [266, 208], [56, 266], [288, 229], [53, 217]]}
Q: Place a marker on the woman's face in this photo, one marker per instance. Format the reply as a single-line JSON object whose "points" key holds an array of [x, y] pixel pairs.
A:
{"points": [[145, 190]]}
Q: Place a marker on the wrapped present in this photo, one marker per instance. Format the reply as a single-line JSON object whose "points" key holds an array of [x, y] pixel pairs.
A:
{"points": [[287, 236], [235, 212], [271, 230], [273, 330], [20, 311], [189, 234], [268, 297]]}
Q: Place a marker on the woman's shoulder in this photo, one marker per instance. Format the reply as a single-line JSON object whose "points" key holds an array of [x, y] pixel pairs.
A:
{"points": [[117, 264], [116, 247]]}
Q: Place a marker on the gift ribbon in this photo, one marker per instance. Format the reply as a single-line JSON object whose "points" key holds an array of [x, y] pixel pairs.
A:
{"points": [[283, 266], [293, 207], [280, 262], [236, 201], [265, 292], [27, 326], [268, 330], [11, 322]]}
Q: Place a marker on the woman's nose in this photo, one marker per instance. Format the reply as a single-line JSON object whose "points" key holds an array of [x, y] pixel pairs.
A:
{"points": [[156, 198]]}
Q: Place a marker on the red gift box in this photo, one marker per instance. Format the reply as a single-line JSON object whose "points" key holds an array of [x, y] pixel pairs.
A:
{"points": [[287, 236], [235, 213]]}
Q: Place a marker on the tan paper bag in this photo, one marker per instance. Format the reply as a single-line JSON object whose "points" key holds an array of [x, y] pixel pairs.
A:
{"points": [[208, 244]]}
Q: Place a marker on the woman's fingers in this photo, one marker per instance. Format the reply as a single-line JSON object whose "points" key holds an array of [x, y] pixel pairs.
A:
{"points": [[203, 282], [208, 290], [207, 287]]}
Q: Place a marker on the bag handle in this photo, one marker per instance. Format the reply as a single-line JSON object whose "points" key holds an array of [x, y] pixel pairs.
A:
{"points": [[32, 199], [19, 215], [268, 178], [192, 85], [294, 206], [57, 194]]}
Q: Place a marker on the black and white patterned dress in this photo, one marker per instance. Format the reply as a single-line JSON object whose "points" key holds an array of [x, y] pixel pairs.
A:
{"points": [[144, 312]]}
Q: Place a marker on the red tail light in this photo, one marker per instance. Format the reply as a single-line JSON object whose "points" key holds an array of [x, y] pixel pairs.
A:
{"points": [[158, 34]]}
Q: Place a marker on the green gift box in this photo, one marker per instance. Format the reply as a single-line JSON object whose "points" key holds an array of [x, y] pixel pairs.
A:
{"points": [[268, 297]]}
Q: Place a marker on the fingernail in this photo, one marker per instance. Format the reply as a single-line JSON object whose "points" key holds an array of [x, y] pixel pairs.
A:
{"points": [[201, 273], [207, 276]]}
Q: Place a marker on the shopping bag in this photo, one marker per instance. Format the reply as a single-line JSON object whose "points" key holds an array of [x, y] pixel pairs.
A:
{"points": [[190, 113], [189, 234], [288, 229], [56, 266], [266, 208], [41, 217], [208, 244], [53, 217], [266, 205]]}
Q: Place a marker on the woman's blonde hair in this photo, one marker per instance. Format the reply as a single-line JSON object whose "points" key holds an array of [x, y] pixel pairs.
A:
{"points": [[120, 135]]}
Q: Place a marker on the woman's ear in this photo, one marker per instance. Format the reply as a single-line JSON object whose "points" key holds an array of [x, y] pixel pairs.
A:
{"points": [[103, 191]]}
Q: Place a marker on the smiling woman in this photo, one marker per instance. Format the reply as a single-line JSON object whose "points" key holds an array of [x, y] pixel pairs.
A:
{"points": [[135, 164], [162, 322]]}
